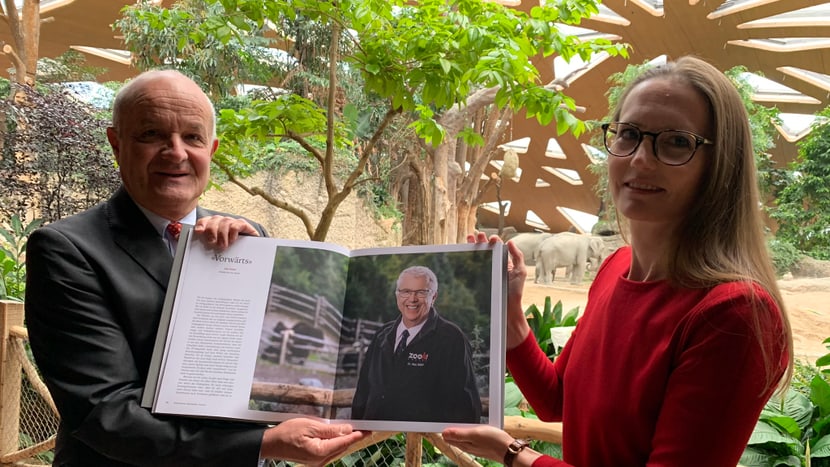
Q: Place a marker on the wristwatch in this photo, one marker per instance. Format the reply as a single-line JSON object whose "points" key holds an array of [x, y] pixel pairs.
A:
{"points": [[513, 450]]}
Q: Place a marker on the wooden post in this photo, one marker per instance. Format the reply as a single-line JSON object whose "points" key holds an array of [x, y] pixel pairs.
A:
{"points": [[11, 314], [414, 449], [286, 336]]}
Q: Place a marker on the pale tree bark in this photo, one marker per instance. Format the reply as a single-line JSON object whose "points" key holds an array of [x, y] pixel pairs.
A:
{"points": [[25, 31], [493, 126], [456, 193], [23, 54], [453, 188], [441, 190]]}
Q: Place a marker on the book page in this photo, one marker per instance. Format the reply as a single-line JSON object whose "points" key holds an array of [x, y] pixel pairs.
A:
{"points": [[450, 301], [297, 360], [275, 329], [219, 349]]}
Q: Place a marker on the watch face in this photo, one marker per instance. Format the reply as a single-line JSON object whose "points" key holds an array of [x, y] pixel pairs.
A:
{"points": [[516, 446]]}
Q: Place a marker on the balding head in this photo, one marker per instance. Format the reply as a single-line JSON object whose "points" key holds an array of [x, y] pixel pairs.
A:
{"points": [[131, 91]]}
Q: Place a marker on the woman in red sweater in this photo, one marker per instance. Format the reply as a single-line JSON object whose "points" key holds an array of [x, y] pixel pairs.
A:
{"points": [[684, 336]]}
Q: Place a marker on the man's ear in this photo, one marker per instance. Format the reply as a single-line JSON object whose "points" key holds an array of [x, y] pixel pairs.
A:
{"points": [[112, 137], [214, 148]]}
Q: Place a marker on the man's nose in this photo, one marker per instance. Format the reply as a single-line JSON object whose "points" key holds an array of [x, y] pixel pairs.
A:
{"points": [[175, 148]]}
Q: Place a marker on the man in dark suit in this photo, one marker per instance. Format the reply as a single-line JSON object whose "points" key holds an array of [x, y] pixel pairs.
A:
{"points": [[96, 284]]}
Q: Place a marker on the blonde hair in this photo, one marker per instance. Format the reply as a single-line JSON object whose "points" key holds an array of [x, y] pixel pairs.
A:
{"points": [[721, 238]]}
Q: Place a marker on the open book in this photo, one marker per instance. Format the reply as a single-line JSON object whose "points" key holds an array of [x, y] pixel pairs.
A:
{"points": [[272, 329]]}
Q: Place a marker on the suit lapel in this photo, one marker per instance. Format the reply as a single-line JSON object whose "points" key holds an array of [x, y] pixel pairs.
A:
{"points": [[133, 233], [202, 212]]}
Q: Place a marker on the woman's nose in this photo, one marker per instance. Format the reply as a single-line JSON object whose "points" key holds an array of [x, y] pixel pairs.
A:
{"points": [[644, 155]]}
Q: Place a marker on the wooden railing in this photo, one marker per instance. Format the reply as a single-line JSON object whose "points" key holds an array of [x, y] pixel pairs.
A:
{"points": [[14, 366]]}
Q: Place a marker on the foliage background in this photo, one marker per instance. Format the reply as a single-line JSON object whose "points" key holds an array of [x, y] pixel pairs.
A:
{"points": [[803, 204], [55, 158]]}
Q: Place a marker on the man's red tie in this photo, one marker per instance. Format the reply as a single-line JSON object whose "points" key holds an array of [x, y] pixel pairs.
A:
{"points": [[174, 229]]}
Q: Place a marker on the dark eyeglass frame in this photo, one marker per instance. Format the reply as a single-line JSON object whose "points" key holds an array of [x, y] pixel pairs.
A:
{"points": [[699, 141], [407, 293]]}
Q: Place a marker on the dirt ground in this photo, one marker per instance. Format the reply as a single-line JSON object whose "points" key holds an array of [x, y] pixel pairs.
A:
{"points": [[807, 301]]}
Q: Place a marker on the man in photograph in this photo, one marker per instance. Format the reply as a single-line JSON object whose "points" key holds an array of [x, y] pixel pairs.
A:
{"points": [[419, 366]]}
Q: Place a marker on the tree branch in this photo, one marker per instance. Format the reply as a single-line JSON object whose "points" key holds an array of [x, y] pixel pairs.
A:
{"points": [[282, 204], [367, 150], [478, 166], [302, 142], [457, 116], [328, 170], [17, 63]]}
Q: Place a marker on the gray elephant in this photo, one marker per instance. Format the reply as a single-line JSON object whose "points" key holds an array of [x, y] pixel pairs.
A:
{"points": [[568, 250], [528, 242]]}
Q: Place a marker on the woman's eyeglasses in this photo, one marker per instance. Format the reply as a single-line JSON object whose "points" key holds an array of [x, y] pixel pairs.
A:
{"points": [[671, 147]]}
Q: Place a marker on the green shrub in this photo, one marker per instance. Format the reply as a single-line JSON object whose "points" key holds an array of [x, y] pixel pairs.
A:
{"points": [[541, 322], [795, 430], [13, 239]]}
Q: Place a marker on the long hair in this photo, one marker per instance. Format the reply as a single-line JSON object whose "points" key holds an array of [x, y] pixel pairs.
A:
{"points": [[721, 238]]}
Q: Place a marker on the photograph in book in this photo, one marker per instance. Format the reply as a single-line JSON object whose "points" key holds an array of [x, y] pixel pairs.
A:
{"points": [[402, 338]]}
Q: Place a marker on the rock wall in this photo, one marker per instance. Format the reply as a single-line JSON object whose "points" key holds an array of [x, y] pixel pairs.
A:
{"points": [[354, 225], [809, 267]]}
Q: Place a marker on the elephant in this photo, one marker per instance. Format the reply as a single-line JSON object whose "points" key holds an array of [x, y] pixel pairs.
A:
{"points": [[569, 250], [527, 242], [507, 232]]}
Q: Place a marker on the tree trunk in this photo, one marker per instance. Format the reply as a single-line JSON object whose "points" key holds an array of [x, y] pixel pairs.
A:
{"points": [[441, 190], [492, 127], [414, 189], [25, 31], [452, 185], [31, 40]]}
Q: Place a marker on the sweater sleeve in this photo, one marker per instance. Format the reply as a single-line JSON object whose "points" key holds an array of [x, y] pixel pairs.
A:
{"points": [[539, 379], [540, 383]]}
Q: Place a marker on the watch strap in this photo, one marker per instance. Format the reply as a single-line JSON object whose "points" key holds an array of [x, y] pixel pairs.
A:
{"points": [[513, 450]]}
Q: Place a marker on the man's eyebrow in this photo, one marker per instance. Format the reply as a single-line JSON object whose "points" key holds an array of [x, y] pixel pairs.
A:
{"points": [[195, 127]]}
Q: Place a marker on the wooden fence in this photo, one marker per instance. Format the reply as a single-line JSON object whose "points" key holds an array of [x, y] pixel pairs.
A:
{"points": [[40, 421], [15, 366]]}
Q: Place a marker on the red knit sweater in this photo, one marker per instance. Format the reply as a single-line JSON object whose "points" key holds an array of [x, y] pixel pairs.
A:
{"points": [[654, 375]]}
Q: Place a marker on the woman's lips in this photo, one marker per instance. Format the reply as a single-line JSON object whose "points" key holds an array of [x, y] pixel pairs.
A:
{"points": [[639, 186]]}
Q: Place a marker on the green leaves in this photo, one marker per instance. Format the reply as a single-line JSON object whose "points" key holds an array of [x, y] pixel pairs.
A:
{"points": [[290, 117], [820, 396], [513, 399], [795, 428], [825, 359], [541, 323], [12, 250], [428, 57], [219, 42], [803, 205]]}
